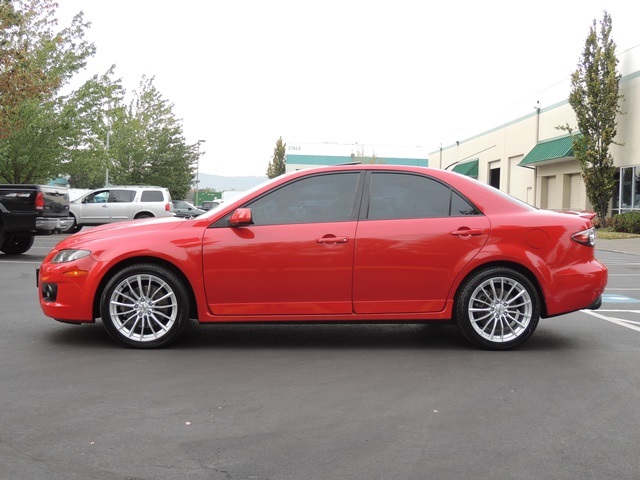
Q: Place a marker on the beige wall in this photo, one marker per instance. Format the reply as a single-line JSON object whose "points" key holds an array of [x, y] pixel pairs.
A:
{"points": [[555, 184]]}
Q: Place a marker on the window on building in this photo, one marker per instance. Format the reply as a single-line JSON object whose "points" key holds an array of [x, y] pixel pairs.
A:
{"points": [[627, 192], [494, 178]]}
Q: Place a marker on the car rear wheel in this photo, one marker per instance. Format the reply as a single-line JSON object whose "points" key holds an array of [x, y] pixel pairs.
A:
{"points": [[145, 306], [497, 308]]}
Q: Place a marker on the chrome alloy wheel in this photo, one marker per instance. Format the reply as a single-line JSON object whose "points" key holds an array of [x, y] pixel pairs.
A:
{"points": [[143, 307], [500, 309]]}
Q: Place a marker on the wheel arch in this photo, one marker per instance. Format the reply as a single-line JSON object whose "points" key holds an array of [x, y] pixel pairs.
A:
{"points": [[514, 266], [143, 214], [114, 269]]}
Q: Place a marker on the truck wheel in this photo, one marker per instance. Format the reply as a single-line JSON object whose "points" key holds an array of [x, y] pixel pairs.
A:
{"points": [[15, 245]]}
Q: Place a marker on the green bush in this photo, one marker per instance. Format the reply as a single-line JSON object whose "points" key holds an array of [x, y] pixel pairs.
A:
{"points": [[628, 222]]}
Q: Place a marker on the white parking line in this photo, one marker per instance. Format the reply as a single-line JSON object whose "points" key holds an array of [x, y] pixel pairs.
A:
{"points": [[19, 261], [633, 325]]}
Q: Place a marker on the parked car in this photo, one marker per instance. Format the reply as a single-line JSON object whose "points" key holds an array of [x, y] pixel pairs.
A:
{"points": [[115, 204], [182, 208], [30, 210], [209, 204], [358, 243]]}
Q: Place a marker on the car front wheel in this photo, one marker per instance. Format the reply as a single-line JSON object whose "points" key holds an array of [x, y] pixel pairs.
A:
{"points": [[497, 308], [144, 306], [74, 227]]}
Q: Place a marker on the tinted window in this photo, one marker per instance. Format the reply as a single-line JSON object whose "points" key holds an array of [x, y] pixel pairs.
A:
{"points": [[97, 197], [394, 195], [322, 198], [120, 196], [459, 206], [152, 196]]}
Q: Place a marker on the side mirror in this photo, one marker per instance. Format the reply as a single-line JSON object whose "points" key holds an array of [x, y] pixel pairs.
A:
{"points": [[240, 217]]}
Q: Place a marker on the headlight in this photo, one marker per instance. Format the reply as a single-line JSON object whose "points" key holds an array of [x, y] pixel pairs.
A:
{"points": [[64, 256]]}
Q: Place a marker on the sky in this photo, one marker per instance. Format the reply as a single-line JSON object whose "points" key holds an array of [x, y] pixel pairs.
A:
{"points": [[405, 73]]}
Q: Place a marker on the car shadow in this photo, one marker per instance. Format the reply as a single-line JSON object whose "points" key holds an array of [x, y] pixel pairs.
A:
{"points": [[322, 336], [432, 336]]}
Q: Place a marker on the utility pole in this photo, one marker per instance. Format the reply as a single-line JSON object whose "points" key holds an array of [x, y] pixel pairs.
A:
{"points": [[196, 196]]}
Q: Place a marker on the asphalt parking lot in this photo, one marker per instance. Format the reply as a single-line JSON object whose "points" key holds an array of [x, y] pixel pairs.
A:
{"points": [[320, 402]]}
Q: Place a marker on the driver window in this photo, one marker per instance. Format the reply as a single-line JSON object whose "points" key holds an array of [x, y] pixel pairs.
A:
{"points": [[321, 198], [97, 197]]}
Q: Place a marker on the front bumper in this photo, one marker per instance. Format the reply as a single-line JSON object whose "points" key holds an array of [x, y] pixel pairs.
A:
{"points": [[66, 290]]}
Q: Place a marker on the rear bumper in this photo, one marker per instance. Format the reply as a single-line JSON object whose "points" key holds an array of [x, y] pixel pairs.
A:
{"points": [[65, 223], [578, 287], [51, 224], [596, 304]]}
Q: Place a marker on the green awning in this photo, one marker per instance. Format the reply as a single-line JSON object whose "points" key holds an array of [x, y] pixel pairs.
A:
{"points": [[470, 168], [549, 150]]}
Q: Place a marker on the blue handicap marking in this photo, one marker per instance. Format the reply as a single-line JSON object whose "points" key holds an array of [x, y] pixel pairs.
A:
{"points": [[613, 298]]}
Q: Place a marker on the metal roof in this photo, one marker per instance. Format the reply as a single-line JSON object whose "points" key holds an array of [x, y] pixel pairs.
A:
{"points": [[549, 150], [470, 168]]}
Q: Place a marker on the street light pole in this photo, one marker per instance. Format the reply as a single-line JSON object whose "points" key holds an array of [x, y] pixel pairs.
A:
{"points": [[197, 198]]}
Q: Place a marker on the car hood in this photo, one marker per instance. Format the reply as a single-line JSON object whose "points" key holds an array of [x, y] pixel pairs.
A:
{"points": [[147, 226]]}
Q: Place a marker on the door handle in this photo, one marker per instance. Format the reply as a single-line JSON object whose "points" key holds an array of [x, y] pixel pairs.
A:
{"points": [[467, 232], [332, 239]]}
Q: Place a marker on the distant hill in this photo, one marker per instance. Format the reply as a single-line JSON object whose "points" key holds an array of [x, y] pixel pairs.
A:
{"points": [[220, 183]]}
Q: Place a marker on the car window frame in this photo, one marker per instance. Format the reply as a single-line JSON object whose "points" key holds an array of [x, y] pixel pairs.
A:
{"points": [[353, 215], [364, 215]]}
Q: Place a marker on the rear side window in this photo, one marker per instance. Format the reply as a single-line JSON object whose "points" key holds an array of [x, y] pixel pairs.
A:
{"points": [[398, 195], [152, 196], [122, 196]]}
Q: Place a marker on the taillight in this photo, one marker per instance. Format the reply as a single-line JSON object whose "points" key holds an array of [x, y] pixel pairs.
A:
{"points": [[585, 237], [40, 201], [167, 207]]}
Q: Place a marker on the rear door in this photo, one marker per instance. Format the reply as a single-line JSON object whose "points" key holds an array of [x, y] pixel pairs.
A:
{"points": [[297, 257], [415, 237], [121, 204]]}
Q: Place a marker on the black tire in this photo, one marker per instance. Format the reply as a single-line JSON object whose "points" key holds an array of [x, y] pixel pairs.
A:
{"points": [[143, 215], [497, 308], [16, 245], [74, 228], [144, 306]]}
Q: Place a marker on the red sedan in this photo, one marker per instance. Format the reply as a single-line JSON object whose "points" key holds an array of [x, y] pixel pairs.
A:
{"points": [[370, 243]]}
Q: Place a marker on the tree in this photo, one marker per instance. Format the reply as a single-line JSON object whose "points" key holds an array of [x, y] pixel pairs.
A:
{"points": [[91, 131], [35, 63], [147, 145], [89, 111], [278, 165], [595, 100]]}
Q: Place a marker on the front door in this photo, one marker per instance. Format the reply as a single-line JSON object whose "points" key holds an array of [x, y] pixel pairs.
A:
{"points": [[95, 208], [297, 257]]}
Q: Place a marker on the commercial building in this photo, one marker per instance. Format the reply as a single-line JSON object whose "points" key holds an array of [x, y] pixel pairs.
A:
{"points": [[531, 159], [305, 155]]}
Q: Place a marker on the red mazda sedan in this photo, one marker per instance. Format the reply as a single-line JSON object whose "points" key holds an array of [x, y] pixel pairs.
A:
{"points": [[359, 243]]}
